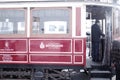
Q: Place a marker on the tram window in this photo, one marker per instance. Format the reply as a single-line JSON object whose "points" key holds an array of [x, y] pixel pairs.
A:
{"points": [[51, 21], [12, 21], [116, 28]]}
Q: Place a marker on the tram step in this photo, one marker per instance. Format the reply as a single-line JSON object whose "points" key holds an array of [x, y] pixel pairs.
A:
{"points": [[100, 74], [14, 79], [100, 79], [100, 67]]}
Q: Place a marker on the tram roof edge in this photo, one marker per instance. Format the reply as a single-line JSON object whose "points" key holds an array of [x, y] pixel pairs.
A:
{"points": [[87, 2], [106, 1]]}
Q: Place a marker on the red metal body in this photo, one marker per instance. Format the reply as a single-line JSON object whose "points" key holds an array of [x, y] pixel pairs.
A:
{"points": [[43, 51]]}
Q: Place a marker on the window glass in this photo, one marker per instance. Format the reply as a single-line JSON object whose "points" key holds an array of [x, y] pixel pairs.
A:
{"points": [[12, 21], [51, 21], [116, 28]]}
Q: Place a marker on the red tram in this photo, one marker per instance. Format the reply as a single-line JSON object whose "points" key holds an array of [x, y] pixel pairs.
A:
{"points": [[39, 39]]}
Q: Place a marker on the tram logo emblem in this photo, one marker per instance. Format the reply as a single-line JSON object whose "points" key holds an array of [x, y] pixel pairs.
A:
{"points": [[6, 45], [51, 45], [42, 46]]}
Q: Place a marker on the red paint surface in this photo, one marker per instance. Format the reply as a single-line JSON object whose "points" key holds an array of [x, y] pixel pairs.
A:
{"points": [[12, 58], [55, 51], [13, 45], [50, 58], [52, 45], [79, 45], [78, 21], [78, 59]]}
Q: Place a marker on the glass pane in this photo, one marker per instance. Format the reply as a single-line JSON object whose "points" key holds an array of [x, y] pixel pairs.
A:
{"points": [[116, 23], [50, 21], [12, 21]]}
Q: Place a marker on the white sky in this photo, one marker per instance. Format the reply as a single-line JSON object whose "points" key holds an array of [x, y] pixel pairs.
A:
{"points": [[118, 1]]}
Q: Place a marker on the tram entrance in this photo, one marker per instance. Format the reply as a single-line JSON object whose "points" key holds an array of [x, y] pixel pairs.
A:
{"points": [[104, 16], [99, 46]]}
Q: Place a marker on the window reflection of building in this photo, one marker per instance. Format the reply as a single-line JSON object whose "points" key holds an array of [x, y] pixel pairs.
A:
{"points": [[12, 21], [55, 27], [6, 27], [36, 21], [40, 16], [21, 27]]}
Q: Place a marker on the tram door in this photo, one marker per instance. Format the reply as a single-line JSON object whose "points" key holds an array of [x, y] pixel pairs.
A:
{"points": [[108, 38], [104, 15]]}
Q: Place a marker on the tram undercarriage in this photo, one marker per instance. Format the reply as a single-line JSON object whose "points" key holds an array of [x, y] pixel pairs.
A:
{"points": [[38, 72]]}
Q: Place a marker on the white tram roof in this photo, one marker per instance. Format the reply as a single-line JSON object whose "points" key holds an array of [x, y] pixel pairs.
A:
{"points": [[64, 0], [107, 1]]}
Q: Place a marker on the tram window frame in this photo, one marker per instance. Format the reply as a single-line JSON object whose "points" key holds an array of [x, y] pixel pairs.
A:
{"points": [[10, 21], [116, 28], [68, 33]]}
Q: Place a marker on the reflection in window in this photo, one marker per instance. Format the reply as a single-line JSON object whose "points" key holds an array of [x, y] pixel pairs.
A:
{"points": [[50, 21], [12, 21], [116, 27], [55, 27]]}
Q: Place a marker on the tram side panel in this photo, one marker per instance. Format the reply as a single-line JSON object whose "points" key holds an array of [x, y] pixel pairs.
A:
{"points": [[62, 49], [13, 51], [57, 50], [43, 51]]}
